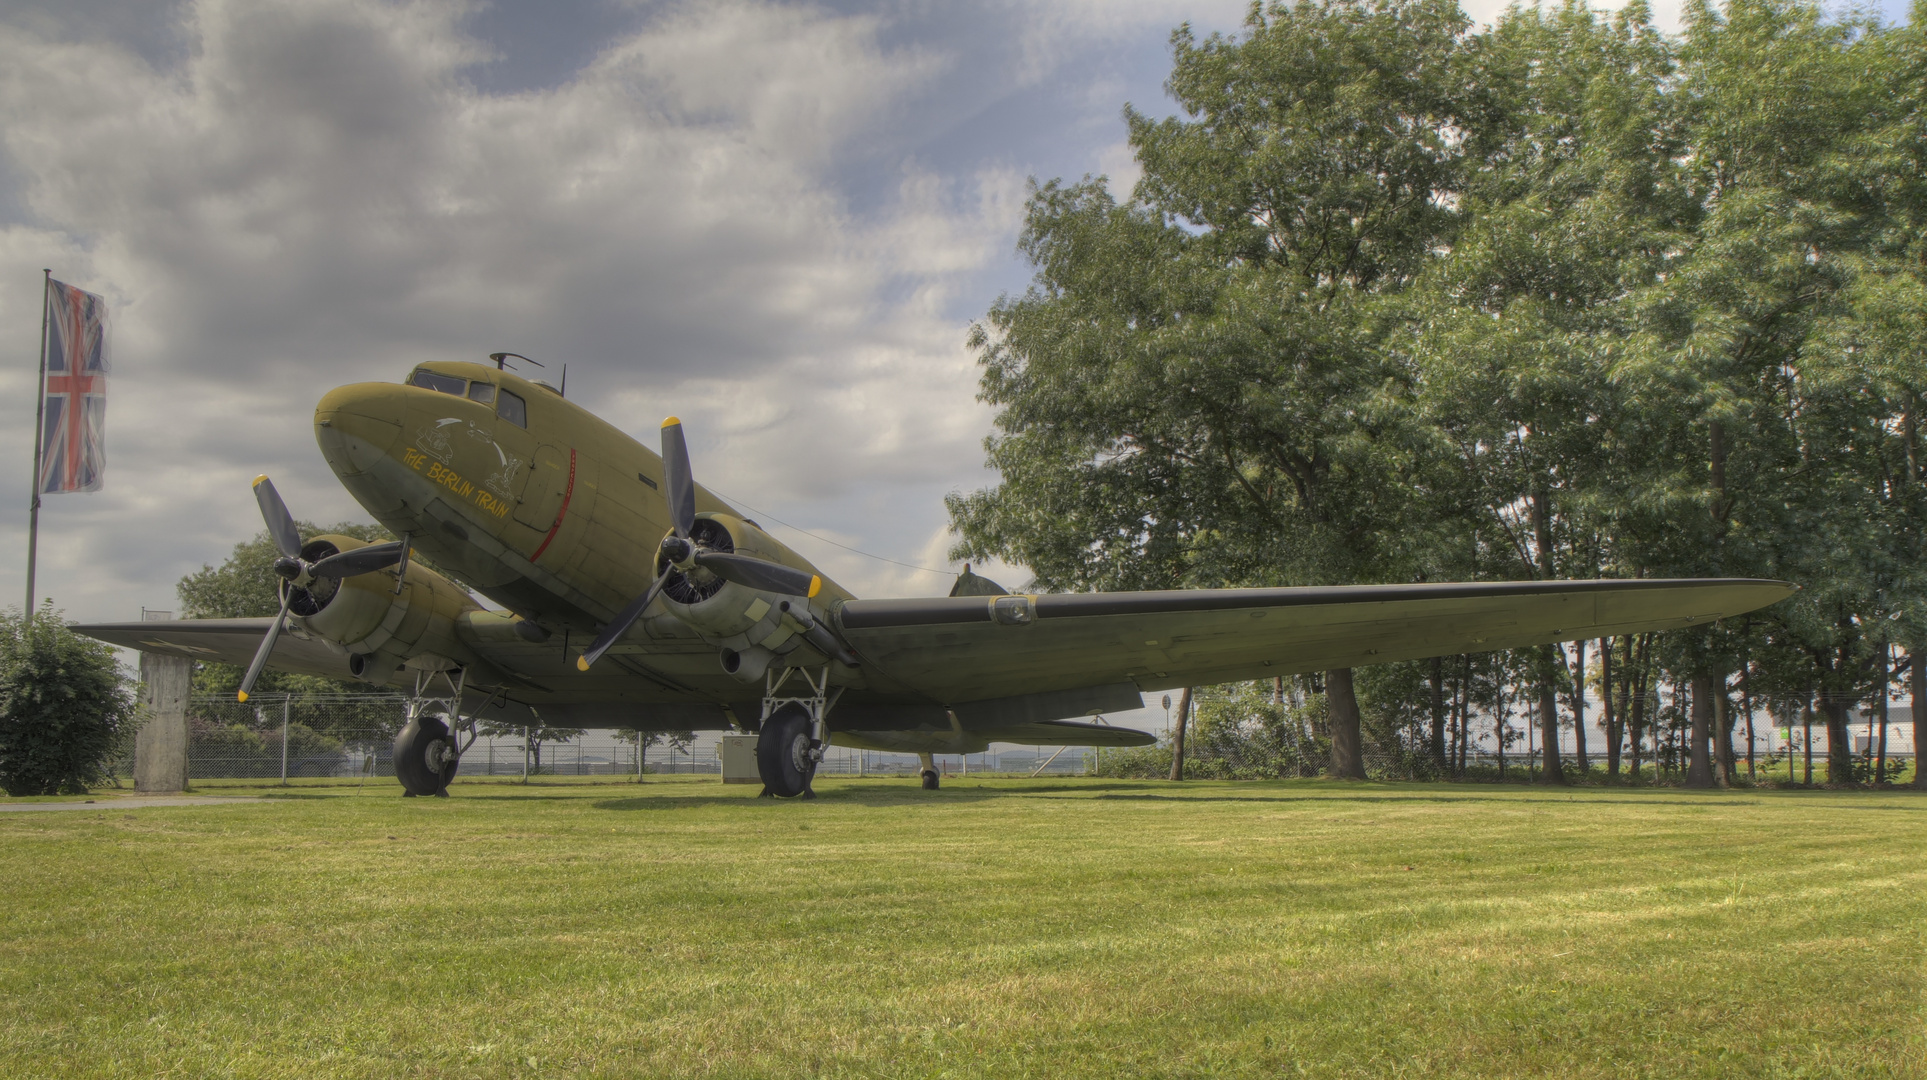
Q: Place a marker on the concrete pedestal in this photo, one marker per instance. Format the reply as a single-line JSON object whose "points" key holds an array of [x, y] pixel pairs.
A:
{"points": [[160, 749]]}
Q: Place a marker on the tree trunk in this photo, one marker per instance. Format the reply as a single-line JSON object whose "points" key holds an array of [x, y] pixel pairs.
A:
{"points": [[1746, 699], [1723, 734], [1438, 712], [1553, 773], [1463, 702], [1880, 717], [1579, 706], [1806, 731], [1613, 718], [1917, 673], [1699, 768], [1348, 754], [1177, 735], [1635, 705], [1498, 729], [1839, 739]]}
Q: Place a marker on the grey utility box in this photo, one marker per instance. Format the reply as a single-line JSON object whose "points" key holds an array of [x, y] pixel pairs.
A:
{"points": [[739, 760]]}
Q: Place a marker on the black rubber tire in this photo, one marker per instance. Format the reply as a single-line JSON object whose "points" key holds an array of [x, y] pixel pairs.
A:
{"points": [[412, 745], [929, 780], [782, 753]]}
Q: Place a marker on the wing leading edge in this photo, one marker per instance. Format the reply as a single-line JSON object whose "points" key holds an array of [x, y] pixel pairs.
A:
{"points": [[968, 648], [1004, 664]]}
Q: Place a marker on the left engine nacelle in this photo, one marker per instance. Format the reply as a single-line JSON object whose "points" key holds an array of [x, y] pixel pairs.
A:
{"points": [[379, 628], [753, 630]]}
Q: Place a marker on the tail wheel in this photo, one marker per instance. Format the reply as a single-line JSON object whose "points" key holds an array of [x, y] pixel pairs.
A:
{"points": [[425, 758], [783, 757]]}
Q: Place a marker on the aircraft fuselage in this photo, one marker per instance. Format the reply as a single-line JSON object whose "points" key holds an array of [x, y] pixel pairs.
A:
{"points": [[552, 513]]}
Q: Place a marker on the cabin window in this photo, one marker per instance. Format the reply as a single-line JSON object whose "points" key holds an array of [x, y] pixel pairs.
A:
{"points": [[447, 384], [513, 409], [481, 391]]}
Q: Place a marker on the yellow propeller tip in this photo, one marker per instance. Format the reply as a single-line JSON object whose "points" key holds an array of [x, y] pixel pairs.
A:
{"points": [[671, 422], [582, 663], [259, 479], [241, 695], [816, 585]]}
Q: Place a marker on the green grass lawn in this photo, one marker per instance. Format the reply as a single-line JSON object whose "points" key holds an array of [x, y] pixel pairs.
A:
{"points": [[995, 928]]}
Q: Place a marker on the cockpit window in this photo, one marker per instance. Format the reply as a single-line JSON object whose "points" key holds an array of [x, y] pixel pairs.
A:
{"points": [[481, 391], [513, 409], [447, 384]]}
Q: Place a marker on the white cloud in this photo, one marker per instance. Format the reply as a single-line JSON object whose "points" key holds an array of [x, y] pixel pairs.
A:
{"points": [[313, 192]]}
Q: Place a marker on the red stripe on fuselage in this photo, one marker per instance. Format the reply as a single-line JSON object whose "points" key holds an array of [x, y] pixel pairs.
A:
{"points": [[561, 513]]}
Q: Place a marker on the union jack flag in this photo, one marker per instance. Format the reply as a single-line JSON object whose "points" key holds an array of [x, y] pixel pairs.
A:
{"points": [[73, 448]]}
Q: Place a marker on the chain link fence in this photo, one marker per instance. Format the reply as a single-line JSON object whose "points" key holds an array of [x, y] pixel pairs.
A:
{"points": [[352, 735], [306, 735]]}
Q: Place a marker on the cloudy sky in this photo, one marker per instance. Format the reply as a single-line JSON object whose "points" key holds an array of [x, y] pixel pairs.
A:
{"points": [[776, 220]]}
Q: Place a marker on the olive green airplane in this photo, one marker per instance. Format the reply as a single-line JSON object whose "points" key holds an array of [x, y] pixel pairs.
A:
{"points": [[625, 595]]}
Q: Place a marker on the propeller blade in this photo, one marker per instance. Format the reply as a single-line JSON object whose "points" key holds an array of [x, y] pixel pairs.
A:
{"points": [[287, 539], [678, 483], [362, 560], [401, 572], [753, 573], [267, 643], [622, 623]]}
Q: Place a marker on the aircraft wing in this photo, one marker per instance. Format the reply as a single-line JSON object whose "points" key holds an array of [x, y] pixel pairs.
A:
{"points": [[228, 641], [233, 641], [1047, 656]]}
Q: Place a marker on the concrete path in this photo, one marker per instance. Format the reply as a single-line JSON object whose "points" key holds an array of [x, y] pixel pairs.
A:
{"points": [[137, 802]]}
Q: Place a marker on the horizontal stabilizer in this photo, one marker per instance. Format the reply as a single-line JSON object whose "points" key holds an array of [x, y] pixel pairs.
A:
{"points": [[1067, 733]]}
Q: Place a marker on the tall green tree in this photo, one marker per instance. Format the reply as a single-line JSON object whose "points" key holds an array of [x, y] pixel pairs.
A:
{"points": [[1564, 298], [1200, 387], [1757, 438], [1571, 207]]}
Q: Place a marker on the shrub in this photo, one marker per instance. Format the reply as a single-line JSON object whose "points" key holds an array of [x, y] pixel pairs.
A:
{"points": [[1134, 763], [66, 710]]}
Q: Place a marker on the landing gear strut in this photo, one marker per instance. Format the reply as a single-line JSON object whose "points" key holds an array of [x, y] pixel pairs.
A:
{"points": [[426, 750], [794, 733], [929, 772]]}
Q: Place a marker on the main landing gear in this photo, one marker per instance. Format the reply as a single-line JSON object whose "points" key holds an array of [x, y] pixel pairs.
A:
{"points": [[426, 750], [929, 771], [794, 733]]}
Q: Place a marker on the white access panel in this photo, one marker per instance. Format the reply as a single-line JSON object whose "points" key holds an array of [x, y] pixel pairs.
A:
{"points": [[739, 759]]}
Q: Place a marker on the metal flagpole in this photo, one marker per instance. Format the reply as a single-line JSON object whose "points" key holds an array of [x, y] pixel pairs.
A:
{"points": [[39, 419]]}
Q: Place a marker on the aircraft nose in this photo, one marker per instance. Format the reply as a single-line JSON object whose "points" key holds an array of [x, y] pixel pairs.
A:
{"points": [[358, 424]]}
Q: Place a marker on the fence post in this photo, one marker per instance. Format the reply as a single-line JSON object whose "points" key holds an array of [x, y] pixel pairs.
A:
{"points": [[287, 712]]}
